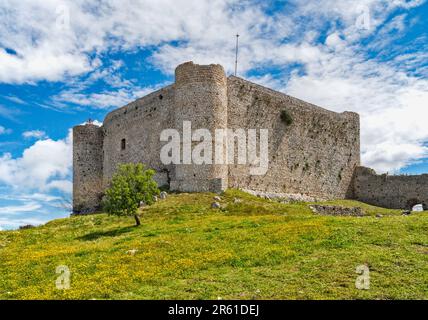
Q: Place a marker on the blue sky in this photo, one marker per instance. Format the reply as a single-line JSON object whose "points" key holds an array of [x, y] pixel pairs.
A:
{"points": [[62, 62]]}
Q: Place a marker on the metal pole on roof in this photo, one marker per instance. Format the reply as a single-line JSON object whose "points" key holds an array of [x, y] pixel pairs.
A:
{"points": [[236, 54]]}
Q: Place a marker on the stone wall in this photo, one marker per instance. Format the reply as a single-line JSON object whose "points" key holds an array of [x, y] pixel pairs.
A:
{"points": [[324, 210], [87, 168], [315, 155], [395, 192], [139, 125]]}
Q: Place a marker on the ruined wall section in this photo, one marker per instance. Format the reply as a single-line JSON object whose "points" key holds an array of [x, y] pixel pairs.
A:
{"points": [[201, 98], [314, 156], [87, 168], [395, 192], [138, 126]]}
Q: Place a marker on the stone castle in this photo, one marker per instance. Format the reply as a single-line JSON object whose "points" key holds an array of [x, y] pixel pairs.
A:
{"points": [[315, 153]]}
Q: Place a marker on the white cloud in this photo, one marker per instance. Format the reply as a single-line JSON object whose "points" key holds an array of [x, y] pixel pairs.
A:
{"points": [[96, 100], [62, 185], [9, 113], [104, 100], [46, 50], [43, 197], [14, 223], [4, 130], [43, 166], [20, 209], [36, 134], [58, 38], [14, 216], [37, 66], [29, 207], [15, 99], [334, 41], [97, 123]]}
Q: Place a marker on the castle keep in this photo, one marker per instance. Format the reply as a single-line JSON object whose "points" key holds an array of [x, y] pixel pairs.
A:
{"points": [[316, 153]]}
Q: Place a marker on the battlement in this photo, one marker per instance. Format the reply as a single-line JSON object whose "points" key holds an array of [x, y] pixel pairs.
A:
{"points": [[190, 73]]}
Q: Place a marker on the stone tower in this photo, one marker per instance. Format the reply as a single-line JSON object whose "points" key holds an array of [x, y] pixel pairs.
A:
{"points": [[87, 168], [200, 98]]}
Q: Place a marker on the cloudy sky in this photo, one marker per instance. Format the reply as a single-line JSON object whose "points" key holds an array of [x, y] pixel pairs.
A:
{"points": [[62, 62]]}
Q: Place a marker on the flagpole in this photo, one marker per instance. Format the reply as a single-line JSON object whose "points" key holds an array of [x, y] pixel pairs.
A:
{"points": [[236, 55]]}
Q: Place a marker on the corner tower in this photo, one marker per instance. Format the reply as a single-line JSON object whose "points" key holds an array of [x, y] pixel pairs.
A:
{"points": [[201, 99], [87, 168]]}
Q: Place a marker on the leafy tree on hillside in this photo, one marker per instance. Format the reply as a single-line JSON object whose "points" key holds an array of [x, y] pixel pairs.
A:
{"points": [[131, 185]]}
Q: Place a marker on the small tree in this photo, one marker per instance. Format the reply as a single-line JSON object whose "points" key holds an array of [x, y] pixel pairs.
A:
{"points": [[130, 185]]}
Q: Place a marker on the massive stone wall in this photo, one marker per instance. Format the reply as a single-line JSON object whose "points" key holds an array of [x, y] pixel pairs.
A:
{"points": [[395, 192], [87, 168], [132, 133], [315, 155]]}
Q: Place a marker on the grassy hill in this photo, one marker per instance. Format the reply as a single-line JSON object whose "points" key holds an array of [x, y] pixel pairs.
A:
{"points": [[254, 249]]}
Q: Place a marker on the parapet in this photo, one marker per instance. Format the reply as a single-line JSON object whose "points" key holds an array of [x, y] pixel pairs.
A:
{"points": [[190, 73], [364, 171], [86, 130]]}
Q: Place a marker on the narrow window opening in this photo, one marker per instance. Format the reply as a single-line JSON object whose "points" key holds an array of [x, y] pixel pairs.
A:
{"points": [[123, 144]]}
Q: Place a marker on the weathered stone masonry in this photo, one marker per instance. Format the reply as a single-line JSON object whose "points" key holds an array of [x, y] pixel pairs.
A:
{"points": [[396, 192], [200, 97], [317, 155], [87, 168]]}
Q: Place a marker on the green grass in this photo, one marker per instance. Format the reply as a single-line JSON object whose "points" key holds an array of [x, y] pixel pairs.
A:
{"points": [[256, 249]]}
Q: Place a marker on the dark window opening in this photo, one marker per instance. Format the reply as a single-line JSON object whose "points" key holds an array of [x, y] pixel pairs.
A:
{"points": [[123, 144]]}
